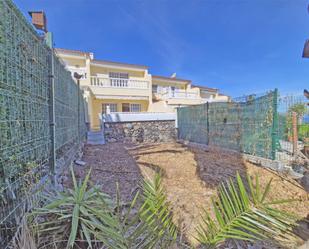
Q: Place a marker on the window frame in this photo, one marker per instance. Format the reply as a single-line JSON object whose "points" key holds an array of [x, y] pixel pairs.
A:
{"points": [[104, 107], [136, 105]]}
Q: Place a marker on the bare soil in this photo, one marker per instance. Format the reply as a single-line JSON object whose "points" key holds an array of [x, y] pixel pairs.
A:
{"points": [[190, 176]]}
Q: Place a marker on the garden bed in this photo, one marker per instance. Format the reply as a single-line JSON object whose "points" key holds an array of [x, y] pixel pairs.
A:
{"points": [[190, 176]]}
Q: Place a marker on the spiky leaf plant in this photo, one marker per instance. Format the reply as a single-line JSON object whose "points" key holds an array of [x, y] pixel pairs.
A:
{"points": [[86, 215], [243, 215], [76, 214], [152, 226]]}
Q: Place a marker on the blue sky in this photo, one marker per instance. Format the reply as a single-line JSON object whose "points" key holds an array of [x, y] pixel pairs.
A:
{"points": [[238, 46]]}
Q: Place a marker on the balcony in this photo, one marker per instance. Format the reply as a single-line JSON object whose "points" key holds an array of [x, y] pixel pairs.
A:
{"points": [[176, 94], [119, 83], [117, 88]]}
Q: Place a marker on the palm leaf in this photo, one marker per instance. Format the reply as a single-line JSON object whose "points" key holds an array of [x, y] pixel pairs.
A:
{"points": [[244, 216]]}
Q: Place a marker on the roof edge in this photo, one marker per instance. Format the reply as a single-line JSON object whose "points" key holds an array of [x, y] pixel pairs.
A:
{"points": [[169, 78]]}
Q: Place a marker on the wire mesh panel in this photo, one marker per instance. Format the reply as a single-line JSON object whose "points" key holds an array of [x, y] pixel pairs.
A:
{"points": [[24, 117], [293, 129], [25, 134], [192, 123], [244, 124]]}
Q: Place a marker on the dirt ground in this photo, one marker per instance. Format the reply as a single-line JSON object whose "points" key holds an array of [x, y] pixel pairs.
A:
{"points": [[190, 176]]}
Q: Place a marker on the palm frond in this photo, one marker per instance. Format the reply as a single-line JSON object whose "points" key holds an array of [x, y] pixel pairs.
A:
{"points": [[242, 215]]}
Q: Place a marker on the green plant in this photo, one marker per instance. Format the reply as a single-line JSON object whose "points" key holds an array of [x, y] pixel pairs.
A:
{"points": [[86, 215], [73, 215], [244, 215], [299, 108]]}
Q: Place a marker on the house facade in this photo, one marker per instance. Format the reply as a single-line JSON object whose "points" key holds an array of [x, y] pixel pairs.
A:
{"points": [[120, 87]]}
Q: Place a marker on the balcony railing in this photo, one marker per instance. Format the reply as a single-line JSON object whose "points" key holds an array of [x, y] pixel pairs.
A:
{"points": [[178, 94], [119, 83]]}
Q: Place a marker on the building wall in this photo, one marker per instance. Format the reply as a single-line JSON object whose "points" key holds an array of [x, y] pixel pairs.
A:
{"points": [[97, 95], [97, 108]]}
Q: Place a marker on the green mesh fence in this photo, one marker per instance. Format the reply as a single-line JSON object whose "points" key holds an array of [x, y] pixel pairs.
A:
{"points": [[288, 152], [25, 137], [244, 124]]}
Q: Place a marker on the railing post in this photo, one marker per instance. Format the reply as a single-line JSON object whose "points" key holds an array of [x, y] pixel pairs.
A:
{"points": [[274, 137]]}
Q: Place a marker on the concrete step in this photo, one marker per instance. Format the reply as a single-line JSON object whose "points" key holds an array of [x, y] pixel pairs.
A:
{"points": [[95, 138]]}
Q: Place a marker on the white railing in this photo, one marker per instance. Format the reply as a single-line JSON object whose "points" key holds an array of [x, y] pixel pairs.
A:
{"points": [[179, 94], [119, 83]]}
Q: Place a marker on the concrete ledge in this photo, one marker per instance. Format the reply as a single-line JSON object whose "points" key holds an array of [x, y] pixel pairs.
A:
{"points": [[137, 117]]}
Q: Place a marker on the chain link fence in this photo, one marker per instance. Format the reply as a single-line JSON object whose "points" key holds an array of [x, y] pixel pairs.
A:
{"points": [[26, 110], [244, 124]]}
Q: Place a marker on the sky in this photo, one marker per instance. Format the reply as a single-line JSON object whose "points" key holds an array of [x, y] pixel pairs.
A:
{"points": [[238, 46]]}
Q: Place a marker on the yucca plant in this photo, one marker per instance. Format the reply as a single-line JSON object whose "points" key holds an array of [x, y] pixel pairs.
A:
{"points": [[74, 215], [85, 216], [243, 215]]}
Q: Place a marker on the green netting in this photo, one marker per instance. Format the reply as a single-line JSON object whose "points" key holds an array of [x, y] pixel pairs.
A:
{"points": [[25, 135], [243, 125], [285, 150]]}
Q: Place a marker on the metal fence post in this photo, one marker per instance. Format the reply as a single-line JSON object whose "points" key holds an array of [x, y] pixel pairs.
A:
{"points": [[274, 135], [78, 110], [295, 133], [207, 122], [52, 122]]}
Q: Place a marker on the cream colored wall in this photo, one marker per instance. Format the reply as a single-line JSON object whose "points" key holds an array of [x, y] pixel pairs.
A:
{"points": [[97, 108], [119, 91], [167, 84], [94, 70]]}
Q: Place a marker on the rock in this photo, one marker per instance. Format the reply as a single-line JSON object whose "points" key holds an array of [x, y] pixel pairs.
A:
{"points": [[112, 140], [80, 162], [305, 181], [146, 131]]}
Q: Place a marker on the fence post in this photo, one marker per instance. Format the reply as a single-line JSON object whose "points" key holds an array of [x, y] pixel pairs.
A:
{"points": [[52, 158], [207, 122], [274, 137], [294, 130]]}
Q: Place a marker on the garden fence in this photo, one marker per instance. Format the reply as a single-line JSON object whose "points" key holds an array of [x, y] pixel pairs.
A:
{"points": [[259, 125], [39, 101], [244, 124]]}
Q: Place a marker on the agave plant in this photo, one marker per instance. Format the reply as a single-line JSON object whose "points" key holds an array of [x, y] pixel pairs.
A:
{"points": [[243, 215]]}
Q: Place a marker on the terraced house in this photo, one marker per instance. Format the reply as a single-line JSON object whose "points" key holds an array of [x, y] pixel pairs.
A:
{"points": [[122, 87]]}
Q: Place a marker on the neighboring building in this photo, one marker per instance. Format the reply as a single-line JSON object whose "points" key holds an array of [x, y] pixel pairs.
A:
{"points": [[122, 87]]}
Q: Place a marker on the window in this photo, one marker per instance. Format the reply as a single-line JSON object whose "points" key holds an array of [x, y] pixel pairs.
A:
{"points": [[111, 107], [125, 107], [135, 107]]}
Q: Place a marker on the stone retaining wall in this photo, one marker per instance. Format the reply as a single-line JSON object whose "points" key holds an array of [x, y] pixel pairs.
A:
{"points": [[142, 131]]}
